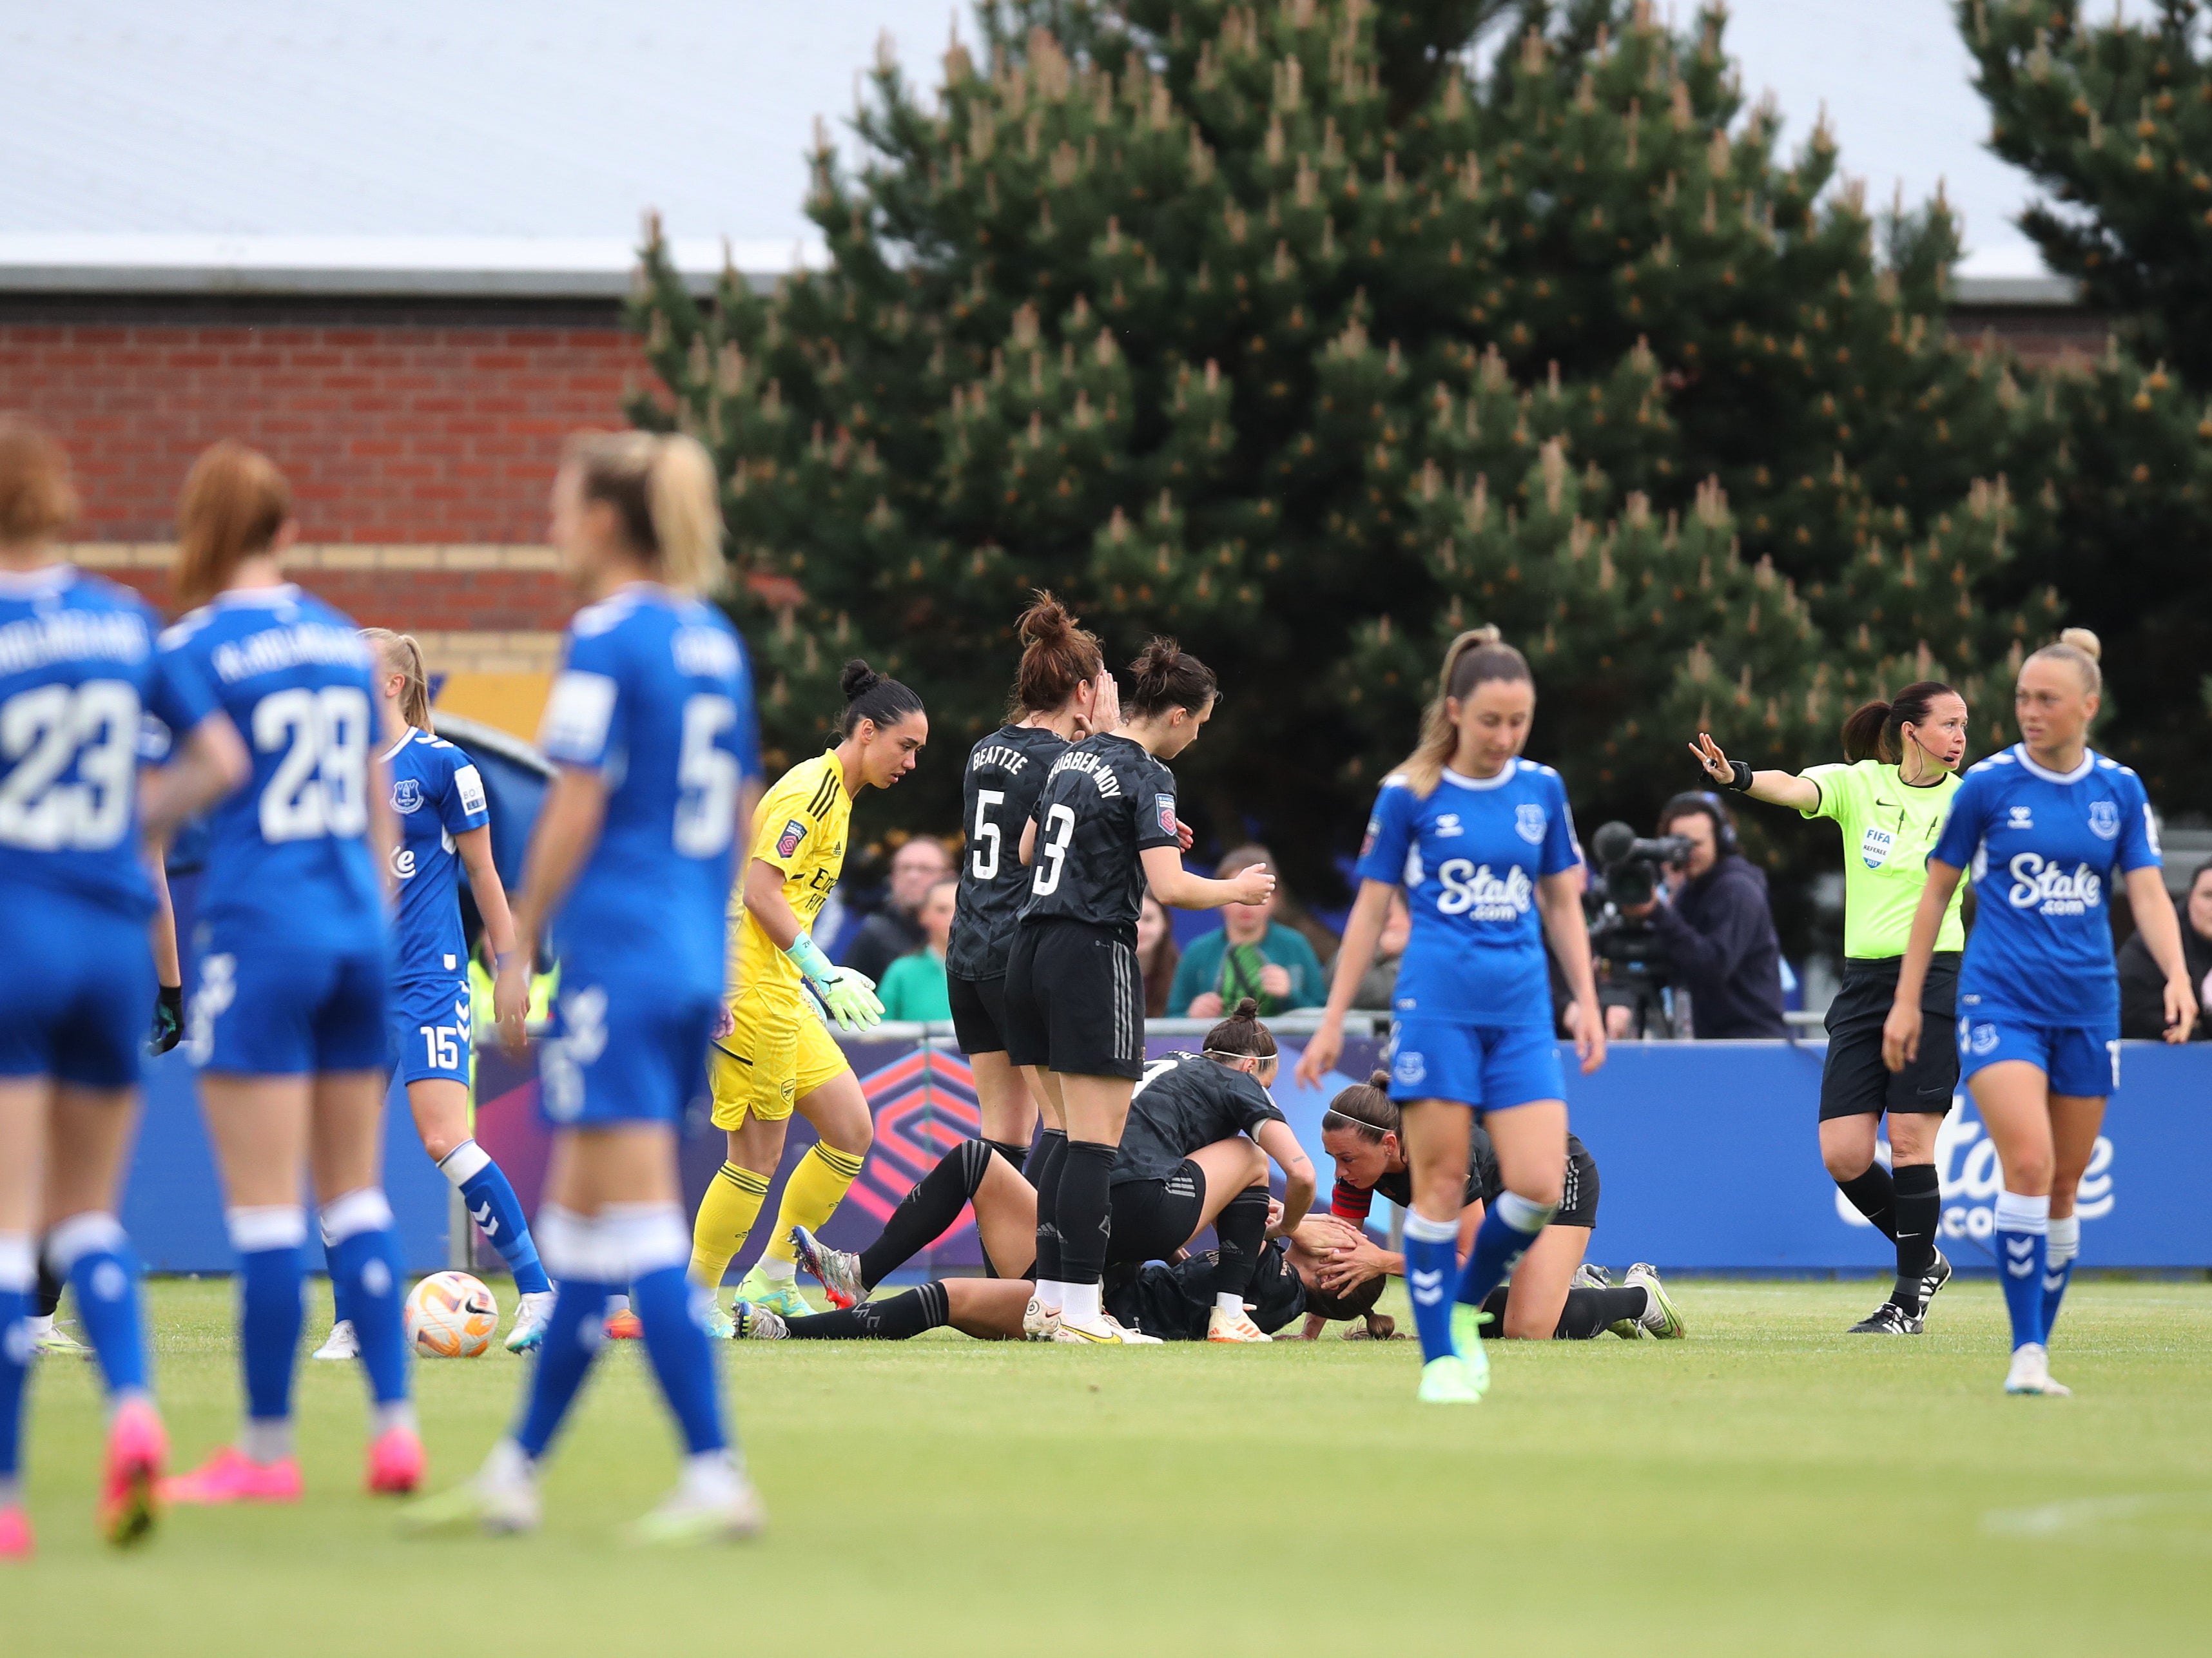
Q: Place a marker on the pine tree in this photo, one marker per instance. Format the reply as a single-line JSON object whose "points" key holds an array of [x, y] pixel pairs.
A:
{"points": [[1304, 331], [2115, 123]]}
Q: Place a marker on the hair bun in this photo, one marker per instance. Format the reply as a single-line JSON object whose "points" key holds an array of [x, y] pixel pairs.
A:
{"points": [[1247, 1009], [857, 678], [2084, 642], [1046, 622], [1379, 1079], [1488, 634]]}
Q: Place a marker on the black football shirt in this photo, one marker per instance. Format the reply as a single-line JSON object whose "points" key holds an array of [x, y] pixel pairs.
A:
{"points": [[1185, 1101], [1006, 773], [1106, 801], [1175, 1302]]}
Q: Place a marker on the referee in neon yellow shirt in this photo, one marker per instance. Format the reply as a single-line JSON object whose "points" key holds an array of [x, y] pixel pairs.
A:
{"points": [[1889, 799]]}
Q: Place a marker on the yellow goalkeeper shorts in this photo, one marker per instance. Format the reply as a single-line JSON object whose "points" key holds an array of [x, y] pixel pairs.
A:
{"points": [[777, 1054]]}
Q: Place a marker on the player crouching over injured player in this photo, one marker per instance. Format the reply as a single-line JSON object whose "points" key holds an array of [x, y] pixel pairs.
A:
{"points": [[1552, 1294], [1194, 1154]]}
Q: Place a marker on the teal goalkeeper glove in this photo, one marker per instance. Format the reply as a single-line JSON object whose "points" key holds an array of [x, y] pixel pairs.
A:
{"points": [[850, 996]]}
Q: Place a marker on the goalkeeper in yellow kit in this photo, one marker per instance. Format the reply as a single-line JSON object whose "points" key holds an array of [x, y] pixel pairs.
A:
{"points": [[776, 1055]]}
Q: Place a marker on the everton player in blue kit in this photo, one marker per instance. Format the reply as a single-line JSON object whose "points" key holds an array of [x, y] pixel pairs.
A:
{"points": [[650, 722], [2043, 827], [76, 669], [1482, 842], [438, 797], [286, 1024]]}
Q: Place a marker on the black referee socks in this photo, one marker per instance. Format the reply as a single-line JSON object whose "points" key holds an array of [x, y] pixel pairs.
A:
{"points": [[1874, 1195], [1919, 1211]]}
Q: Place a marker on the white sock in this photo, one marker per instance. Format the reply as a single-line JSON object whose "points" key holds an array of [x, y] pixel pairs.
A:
{"points": [[11, 1491], [616, 1304], [383, 1418], [2063, 1242], [1080, 1302], [1229, 1304], [40, 1326], [708, 1478], [1051, 1292], [777, 1271], [266, 1442]]}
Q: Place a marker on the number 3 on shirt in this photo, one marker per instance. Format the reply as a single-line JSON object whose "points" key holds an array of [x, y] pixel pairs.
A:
{"points": [[1059, 828]]}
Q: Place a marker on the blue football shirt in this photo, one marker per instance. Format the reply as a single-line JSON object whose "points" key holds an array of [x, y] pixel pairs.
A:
{"points": [[2041, 850], [77, 678], [437, 794], [1469, 858], [654, 695], [289, 864]]}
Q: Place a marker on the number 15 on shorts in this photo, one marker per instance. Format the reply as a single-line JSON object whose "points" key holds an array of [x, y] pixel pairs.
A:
{"points": [[441, 1046]]}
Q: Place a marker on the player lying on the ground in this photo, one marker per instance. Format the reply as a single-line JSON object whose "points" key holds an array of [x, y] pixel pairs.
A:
{"points": [[1548, 1295], [1166, 1301]]}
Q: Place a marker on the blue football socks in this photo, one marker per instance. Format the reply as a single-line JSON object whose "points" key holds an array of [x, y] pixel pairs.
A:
{"points": [[2062, 1245], [92, 1252], [682, 1357], [572, 1335], [2021, 1225], [1509, 1227], [364, 1256], [18, 1272], [497, 1210], [1432, 1257], [268, 1241]]}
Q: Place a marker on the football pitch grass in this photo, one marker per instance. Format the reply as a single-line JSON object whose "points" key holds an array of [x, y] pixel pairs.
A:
{"points": [[1768, 1485]]}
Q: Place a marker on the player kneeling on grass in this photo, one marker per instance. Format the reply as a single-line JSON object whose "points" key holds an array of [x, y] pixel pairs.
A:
{"points": [[1551, 1294]]}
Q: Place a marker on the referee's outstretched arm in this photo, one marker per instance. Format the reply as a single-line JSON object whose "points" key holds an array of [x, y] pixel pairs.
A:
{"points": [[1778, 788]]}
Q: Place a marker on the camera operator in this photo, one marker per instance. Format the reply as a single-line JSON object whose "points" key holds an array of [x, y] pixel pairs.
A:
{"points": [[1713, 929]]}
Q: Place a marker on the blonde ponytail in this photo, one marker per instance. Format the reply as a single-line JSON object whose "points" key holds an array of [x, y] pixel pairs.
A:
{"points": [[2083, 649], [401, 654], [1478, 654], [664, 490]]}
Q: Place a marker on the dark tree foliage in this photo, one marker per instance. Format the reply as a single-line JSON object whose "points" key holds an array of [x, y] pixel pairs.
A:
{"points": [[1313, 331]]}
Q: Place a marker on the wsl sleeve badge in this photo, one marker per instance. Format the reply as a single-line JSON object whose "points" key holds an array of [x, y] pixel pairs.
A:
{"points": [[786, 844], [1165, 805]]}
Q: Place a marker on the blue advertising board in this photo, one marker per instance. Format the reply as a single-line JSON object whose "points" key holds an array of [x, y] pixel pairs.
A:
{"points": [[1707, 1153]]}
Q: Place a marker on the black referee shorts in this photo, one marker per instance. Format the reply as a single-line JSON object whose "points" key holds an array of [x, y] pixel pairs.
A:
{"points": [[979, 1014], [1153, 1219], [1074, 1001], [1855, 1082]]}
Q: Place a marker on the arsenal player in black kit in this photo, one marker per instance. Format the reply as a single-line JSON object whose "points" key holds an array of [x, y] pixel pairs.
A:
{"points": [[1102, 829], [1062, 693]]}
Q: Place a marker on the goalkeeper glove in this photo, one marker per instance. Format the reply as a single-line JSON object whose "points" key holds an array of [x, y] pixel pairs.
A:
{"points": [[850, 996], [168, 1019]]}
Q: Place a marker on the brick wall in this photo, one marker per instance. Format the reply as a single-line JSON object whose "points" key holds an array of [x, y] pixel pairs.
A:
{"points": [[392, 433]]}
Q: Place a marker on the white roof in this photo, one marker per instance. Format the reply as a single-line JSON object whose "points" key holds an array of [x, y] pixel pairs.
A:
{"points": [[513, 140]]}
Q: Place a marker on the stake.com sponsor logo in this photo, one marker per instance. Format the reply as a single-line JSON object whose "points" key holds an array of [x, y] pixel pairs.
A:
{"points": [[1966, 1167]]}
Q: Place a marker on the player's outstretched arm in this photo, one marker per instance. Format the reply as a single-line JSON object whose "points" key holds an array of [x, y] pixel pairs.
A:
{"points": [[1177, 888], [1778, 788], [1900, 1031], [2161, 932], [1355, 953]]}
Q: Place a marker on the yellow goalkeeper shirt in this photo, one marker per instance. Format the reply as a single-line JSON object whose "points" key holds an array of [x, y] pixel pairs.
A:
{"points": [[799, 827]]}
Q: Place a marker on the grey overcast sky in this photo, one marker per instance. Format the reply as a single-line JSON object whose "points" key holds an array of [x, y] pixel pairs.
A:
{"points": [[567, 117]]}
